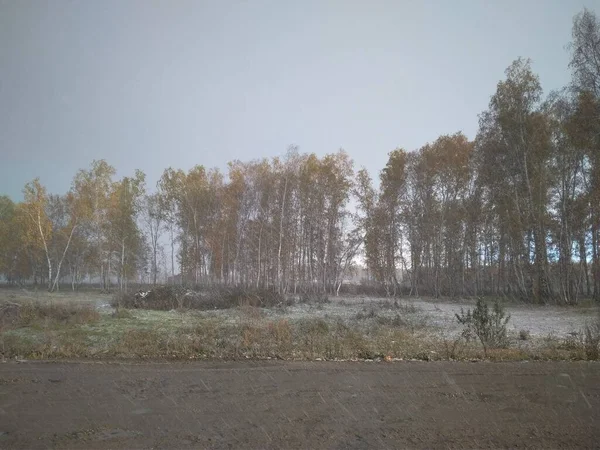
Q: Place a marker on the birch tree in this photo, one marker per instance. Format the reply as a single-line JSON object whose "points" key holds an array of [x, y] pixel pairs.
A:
{"points": [[153, 222]]}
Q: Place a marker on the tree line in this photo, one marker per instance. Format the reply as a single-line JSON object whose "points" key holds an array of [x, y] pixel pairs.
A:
{"points": [[516, 212]]}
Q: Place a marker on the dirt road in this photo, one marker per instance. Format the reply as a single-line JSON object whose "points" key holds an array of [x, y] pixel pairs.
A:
{"points": [[299, 405]]}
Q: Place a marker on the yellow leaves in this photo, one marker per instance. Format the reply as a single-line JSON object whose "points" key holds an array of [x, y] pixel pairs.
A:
{"points": [[37, 226], [446, 162]]}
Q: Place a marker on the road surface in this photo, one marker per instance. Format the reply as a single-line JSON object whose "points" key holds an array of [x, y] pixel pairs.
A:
{"points": [[290, 405]]}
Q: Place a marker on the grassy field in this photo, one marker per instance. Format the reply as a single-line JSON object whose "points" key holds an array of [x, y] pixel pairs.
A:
{"points": [[84, 325]]}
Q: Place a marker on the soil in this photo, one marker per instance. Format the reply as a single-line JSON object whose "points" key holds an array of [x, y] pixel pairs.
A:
{"points": [[253, 404]]}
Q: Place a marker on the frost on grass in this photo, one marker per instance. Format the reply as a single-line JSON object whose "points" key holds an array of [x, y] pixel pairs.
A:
{"points": [[340, 328]]}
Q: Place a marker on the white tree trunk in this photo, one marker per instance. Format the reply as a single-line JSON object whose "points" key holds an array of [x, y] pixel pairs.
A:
{"points": [[281, 237], [55, 284]]}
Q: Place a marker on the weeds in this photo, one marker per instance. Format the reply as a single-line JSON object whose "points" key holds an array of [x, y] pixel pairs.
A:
{"points": [[453, 348], [591, 340]]}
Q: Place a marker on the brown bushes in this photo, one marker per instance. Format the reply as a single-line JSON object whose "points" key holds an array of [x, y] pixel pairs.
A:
{"points": [[166, 298], [15, 315], [161, 298]]}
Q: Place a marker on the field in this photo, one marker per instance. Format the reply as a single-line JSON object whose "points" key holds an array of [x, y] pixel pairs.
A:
{"points": [[138, 378], [85, 325]]}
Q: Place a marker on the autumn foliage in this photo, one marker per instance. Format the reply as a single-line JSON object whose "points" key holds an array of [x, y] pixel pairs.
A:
{"points": [[514, 212]]}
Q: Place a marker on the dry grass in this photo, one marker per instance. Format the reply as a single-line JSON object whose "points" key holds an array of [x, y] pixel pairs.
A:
{"points": [[385, 331], [591, 339], [121, 313], [45, 315], [277, 339], [184, 336]]}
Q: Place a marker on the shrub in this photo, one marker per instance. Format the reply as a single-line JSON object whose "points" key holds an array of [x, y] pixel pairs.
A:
{"points": [[166, 298], [14, 315], [162, 298], [488, 326], [524, 335]]}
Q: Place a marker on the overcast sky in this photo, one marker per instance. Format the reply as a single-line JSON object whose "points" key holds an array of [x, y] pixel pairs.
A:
{"points": [[152, 84]]}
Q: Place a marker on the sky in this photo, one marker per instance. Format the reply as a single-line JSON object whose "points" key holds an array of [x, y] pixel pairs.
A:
{"points": [[155, 84]]}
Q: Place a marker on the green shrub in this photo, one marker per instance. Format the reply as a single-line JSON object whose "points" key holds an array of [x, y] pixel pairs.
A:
{"points": [[488, 326]]}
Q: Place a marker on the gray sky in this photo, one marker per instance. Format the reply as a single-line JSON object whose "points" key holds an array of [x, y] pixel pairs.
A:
{"points": [[152, 84]]}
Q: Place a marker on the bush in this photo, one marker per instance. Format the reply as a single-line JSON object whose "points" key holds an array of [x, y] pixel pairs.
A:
{"points": [[166, 298], [488, 326], [14, 315], [162, 298], [524, 335]]}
